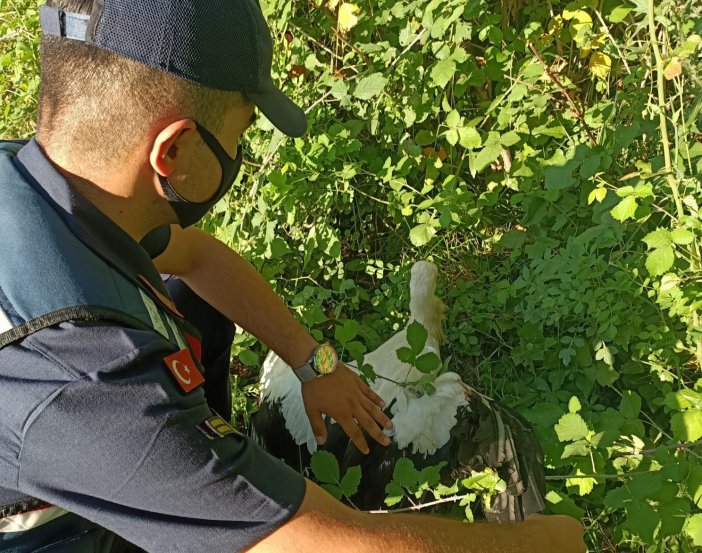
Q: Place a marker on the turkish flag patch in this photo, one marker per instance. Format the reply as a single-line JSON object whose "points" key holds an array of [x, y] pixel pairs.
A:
{"points": [[184, 370]]}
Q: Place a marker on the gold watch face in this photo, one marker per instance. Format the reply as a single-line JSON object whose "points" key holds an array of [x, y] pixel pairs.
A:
{"points": [[325, 359]]}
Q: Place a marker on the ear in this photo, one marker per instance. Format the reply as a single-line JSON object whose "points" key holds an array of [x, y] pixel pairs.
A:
{"points": [[165, 149]]}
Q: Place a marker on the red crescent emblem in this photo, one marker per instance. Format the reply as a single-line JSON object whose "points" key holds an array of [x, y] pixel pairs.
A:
{"points": [[184, 370]]}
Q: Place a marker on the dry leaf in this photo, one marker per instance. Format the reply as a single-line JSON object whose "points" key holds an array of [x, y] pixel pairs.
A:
{"points": [[673, 69]]}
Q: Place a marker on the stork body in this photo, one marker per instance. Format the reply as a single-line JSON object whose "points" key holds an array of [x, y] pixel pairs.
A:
{"points": [[454, 424]]}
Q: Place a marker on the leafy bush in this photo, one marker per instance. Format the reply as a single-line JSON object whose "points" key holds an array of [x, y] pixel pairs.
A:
{"points": [[548, 158]]}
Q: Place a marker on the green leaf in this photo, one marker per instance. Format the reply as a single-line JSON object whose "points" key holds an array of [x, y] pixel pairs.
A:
{"points": [[486, 480], [405, 474], [443, 72], [581, 485], [598, 194], [486, 156], [417, 336], [618, 14], [625, 209], [645, 486], [673, 514], [694, 484], [693, 528], [579, 448], [333, 490], [687, 426], [574, 404], [346, 331], [571, 427], [350, 481], [430, 476], [558, 177], [325, 467], [469, 138], [681, 236], [660, 260], [394, 493], [249, 358], [561, 504], [427, 362], [453, 119], [630, 405], [422, 234], [642, 520], [659, 238], [371, 86], [618, 497], [509, 139], [683, 399], [406, 355]]}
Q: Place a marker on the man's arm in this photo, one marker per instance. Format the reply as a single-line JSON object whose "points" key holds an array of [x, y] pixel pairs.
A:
{"points": [[229, 283], [324, 524], [226, 281]]}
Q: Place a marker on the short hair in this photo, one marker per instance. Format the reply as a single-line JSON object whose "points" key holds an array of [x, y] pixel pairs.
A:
{"points": [[98, 106]]}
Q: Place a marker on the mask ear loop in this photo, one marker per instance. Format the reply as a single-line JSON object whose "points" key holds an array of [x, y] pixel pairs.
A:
{"points": [[234, 165], [216, 147]]}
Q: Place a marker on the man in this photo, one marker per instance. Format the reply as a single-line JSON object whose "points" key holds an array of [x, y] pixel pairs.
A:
{"points": [[107, 431]]}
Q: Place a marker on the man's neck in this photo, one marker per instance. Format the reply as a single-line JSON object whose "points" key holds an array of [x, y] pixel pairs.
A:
{"points": [[118, 198]]}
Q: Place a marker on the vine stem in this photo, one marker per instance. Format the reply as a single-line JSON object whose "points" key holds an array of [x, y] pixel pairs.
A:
{"points": [[665, 142], [662, 111], [420, 506]]}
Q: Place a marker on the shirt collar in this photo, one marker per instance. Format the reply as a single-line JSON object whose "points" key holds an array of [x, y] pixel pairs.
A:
{"points": [[89, 224]]}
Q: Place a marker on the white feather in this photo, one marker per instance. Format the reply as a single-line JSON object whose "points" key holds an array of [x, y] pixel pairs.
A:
{"points": [[421, 422], [282, 388], [424, 423]]}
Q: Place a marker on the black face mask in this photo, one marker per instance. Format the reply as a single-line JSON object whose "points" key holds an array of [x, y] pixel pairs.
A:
{"points": [[188, 212]]}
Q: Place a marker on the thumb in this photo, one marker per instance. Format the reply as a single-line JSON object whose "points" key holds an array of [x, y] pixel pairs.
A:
{"points": [[318, 426]]}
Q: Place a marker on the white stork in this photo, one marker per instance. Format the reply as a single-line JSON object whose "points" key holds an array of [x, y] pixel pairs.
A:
{"points": [[454, 424]]}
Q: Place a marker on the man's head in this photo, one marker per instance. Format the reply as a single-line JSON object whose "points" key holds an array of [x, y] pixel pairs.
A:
{"points": [[97, 106], [129, 92]]}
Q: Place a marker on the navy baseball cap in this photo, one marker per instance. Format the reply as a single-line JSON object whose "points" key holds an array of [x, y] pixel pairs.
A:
{"points": [[221, 44]]}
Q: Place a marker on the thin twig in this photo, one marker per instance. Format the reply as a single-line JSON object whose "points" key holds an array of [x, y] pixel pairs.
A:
{"points": [[554, 78]]}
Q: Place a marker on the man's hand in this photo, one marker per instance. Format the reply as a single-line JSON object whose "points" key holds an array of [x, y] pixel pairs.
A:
{"points": [[343, 396]]}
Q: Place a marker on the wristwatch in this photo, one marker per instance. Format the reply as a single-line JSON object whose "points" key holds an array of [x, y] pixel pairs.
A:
{"points": [[322, 361]]}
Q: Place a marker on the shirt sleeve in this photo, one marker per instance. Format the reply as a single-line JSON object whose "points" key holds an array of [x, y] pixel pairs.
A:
{"points": [[121, 444]]}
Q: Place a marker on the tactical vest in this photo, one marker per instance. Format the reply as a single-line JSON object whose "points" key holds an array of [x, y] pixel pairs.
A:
{"points": [[73, 282]]}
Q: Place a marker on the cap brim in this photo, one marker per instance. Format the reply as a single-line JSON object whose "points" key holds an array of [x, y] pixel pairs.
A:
{"points": [[280, 110]]}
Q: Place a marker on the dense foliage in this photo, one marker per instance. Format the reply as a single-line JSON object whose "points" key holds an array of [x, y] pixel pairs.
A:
{"points": [[547, 156]]}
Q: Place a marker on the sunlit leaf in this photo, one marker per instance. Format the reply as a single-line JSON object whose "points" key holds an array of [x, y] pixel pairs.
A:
{"points": [[625, 209], [598, 194], [347, 16], [660, 260], [600, 65]]}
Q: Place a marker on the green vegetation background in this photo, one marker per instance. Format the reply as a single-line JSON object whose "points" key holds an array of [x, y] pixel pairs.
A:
{"points": [[547, 156]]}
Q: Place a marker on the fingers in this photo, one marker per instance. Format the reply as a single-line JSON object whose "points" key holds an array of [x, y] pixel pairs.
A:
{"points": [[354, 432], [370, 394], [377, 413], [318, 426], [370, 426]]}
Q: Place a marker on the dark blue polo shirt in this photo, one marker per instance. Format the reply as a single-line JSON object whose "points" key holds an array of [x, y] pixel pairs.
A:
{"points": [[92, 421]]}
